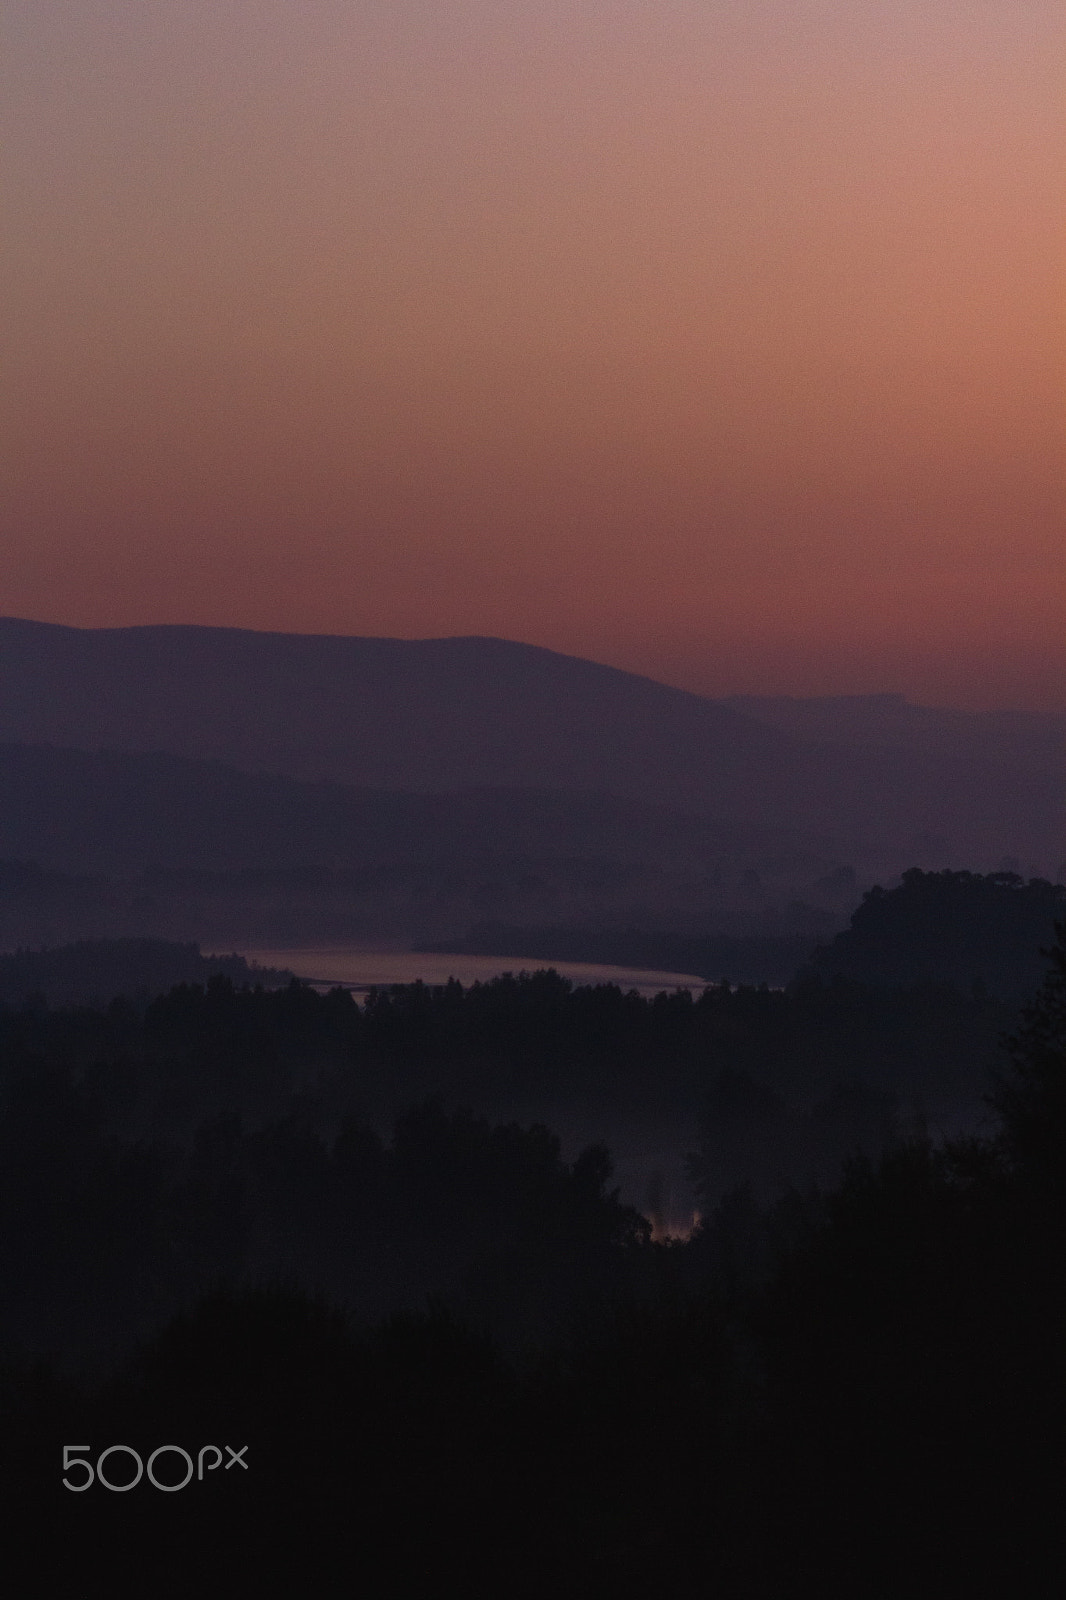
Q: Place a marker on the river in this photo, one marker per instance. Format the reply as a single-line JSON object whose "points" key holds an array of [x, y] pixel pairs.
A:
{"points": [[360, 968]]}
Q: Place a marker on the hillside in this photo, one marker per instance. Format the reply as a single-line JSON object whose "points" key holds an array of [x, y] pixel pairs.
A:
{"points": [[443, 715], [426, 714], [953, 928]]}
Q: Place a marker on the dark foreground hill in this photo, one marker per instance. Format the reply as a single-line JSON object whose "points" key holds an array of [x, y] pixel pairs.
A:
{"points": [[451, 714], [827, 1396], [209, 1251]]}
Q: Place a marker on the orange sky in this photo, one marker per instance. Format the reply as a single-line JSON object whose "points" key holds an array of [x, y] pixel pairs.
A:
{"points": [[722, 341]]}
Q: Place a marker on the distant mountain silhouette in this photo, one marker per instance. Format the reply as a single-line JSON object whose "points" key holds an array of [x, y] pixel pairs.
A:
{"points": [[116, 811], [889, 721], [443, 715], [425, 714]]}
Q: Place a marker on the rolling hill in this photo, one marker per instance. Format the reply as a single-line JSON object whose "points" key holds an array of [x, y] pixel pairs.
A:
{"points": [[867, 778]]}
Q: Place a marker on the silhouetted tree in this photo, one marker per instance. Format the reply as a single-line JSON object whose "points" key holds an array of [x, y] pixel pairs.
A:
{"points": [[1030, 1098]]}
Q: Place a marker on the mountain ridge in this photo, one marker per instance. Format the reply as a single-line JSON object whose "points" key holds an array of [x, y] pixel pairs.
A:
{"points": [[386, 713], [476, 713]]}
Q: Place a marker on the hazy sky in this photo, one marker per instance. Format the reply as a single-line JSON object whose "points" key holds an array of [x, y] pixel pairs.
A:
{"points": [[718, 339]]}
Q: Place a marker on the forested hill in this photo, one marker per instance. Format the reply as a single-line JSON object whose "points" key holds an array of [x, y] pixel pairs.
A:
{"points": [[958, 928]]}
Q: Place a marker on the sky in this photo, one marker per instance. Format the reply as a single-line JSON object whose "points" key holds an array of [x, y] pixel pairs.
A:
{"points": [[720, 340]]}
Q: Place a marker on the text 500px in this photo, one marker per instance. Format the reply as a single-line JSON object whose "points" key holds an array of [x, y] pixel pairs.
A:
{"points": [[127, 1471]]}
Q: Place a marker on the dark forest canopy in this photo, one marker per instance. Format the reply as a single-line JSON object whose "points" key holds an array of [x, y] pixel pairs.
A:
{"points": [[956, 928], [524, 1038], [383, 1151], [371, 1151], [93, 971], [831, 1394]]}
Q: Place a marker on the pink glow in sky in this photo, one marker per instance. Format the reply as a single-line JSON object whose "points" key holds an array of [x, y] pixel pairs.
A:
{"points": [[721, 341]]}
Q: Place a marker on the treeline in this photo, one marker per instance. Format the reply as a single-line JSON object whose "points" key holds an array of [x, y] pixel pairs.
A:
{"points": [[517, 1040], [105, 1238], [857, 1390], [957, 928], [94, 971], [247, 1135], [750, 959]]}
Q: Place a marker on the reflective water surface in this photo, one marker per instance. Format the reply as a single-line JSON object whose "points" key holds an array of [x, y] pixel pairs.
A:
{"points": [[362, 969]]}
